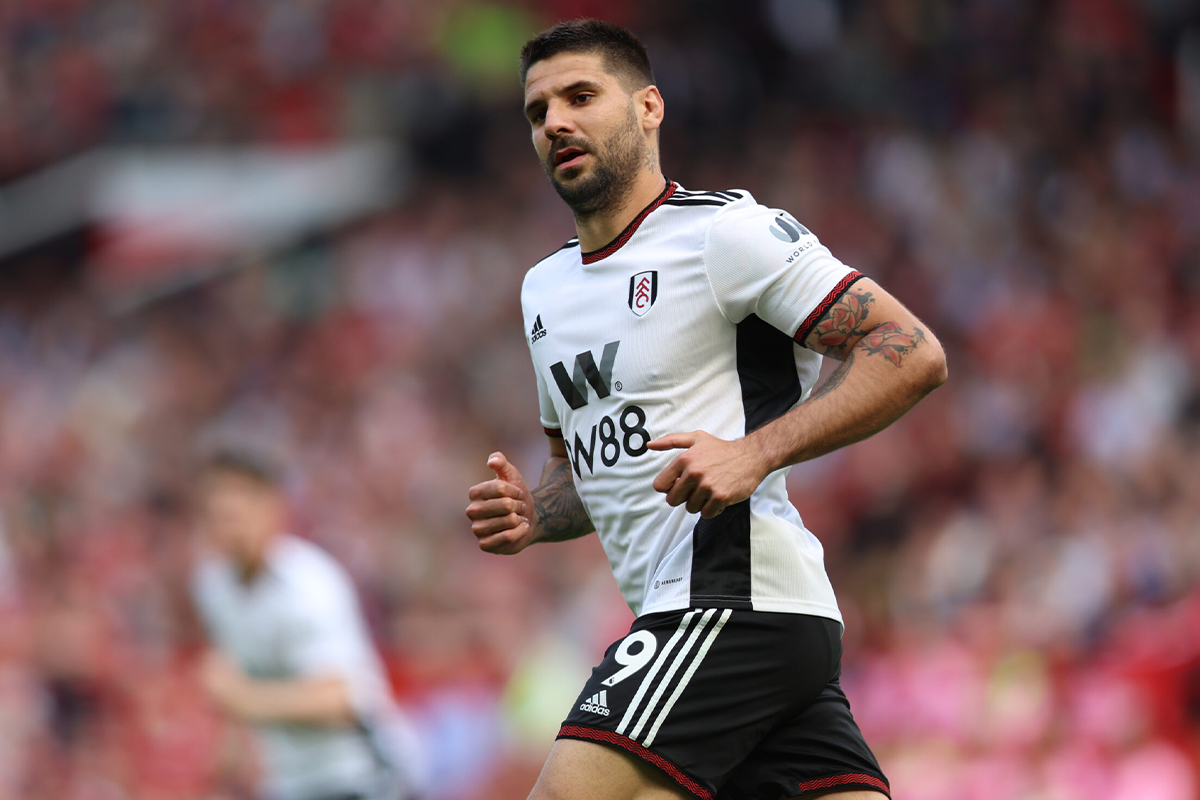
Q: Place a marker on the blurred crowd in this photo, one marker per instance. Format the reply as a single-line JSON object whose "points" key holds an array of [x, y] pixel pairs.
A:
{"points": [[1018, 559]]}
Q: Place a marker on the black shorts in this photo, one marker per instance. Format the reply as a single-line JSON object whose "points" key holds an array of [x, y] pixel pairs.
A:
{"points": [[729, 704]]}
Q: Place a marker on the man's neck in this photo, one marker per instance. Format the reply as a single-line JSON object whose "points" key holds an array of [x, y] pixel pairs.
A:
{"points": [[597, 230]]}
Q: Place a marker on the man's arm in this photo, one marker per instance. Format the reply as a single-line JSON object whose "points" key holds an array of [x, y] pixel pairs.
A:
{"points": [[507, 517], [311, 700], [890, 360]]}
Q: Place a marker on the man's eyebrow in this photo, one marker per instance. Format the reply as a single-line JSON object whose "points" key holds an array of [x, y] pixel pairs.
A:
{"points": [[583, 83]]}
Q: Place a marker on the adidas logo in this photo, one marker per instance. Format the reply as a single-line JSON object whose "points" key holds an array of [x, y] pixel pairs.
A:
{"points": [[597, 704], [538, 331]]}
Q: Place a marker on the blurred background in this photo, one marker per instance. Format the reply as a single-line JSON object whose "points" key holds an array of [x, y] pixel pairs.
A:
{"points": [[303, 224]]}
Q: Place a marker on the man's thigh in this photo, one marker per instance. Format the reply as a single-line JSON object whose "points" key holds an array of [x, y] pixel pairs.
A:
{"points": [[578, 770]]}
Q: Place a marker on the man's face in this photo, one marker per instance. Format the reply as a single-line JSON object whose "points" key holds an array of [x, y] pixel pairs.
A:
{"points": [[585, 130], [240, 515]]}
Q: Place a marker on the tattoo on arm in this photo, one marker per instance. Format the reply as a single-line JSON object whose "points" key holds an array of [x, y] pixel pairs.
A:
{"points": [[845, 326], [892, 341], [560, 511], [842, 326], [834, 380]]}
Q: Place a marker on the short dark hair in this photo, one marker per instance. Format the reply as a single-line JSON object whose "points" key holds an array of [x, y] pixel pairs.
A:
{"points": [[245, 464], [624, 54]]}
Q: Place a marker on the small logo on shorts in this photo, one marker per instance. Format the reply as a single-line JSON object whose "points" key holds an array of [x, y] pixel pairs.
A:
{"points": [[596, 704]]}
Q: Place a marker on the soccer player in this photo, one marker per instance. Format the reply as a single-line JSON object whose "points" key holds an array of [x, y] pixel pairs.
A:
{"points": [[676, 342], [293, 656]]}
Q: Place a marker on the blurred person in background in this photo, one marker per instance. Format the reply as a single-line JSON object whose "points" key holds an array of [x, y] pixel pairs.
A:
{"points": [[680, 311], [292, 655]]}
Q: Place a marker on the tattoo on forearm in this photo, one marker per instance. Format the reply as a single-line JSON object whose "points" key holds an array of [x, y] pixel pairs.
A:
{"points": [[888, 339], [559, 509], [842, 325], [892, 341], [834, 380]]}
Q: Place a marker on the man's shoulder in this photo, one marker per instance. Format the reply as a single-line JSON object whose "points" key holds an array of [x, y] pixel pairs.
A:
{"points": [[301, 555], [714, 199], [552, 263]]}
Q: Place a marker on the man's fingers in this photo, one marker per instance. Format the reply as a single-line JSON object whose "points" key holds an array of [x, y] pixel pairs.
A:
{"points": [[504, 542], [504, 470], [498, 507], [490, 490], [493, 525], [666, 479], [681, 491], [672, 441], [698, 499], [711, 509]]}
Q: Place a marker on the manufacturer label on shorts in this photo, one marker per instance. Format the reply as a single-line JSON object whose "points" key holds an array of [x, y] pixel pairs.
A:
{"points": [[596, 704]]}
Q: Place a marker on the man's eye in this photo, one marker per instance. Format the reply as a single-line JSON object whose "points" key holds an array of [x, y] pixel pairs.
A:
{"points": [[582, 98]]}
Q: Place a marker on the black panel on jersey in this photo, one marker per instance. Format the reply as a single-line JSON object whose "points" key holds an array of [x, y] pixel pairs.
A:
{"points": [[766, 365], [721, 558]]}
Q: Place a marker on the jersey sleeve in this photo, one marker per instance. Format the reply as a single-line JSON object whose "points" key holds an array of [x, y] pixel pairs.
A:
{"points": [[547, 412], [762, 261], [549, 415]]}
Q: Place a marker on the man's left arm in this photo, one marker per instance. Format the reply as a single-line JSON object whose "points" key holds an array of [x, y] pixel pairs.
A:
{"points": [[318, 700], [890, 360]]}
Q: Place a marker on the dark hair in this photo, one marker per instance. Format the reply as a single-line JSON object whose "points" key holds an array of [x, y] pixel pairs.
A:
{"points": [[246, 464], [624, 54]]}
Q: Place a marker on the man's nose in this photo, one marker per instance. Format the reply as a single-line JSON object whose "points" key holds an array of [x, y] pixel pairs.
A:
{"points": [[557, 122]]}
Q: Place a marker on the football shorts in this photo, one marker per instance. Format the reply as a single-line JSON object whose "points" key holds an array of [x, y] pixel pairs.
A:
{"points": [[729, 704]]}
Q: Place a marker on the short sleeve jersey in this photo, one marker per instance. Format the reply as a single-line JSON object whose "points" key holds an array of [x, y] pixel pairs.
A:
{"points": [[300, 618], [690, 320]]}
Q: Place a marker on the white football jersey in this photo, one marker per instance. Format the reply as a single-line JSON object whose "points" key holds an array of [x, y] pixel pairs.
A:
{"points": [[689, 320]]}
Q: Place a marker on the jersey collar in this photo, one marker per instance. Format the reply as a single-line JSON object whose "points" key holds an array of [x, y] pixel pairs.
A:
{"points": [[631, 228]]}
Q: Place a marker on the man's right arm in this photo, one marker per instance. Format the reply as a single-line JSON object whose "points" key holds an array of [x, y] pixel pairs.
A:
{"points": [[506, 517]]}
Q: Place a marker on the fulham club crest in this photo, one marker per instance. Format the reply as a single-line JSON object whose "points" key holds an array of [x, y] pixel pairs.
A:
{"points": [[643, 291]]}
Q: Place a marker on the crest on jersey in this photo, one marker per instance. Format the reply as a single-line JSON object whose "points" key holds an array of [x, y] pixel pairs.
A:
{"points": [[643, 291]]}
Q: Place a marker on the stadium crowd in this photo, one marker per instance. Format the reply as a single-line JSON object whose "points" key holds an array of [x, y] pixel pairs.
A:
{"points": [[1018, 560]]}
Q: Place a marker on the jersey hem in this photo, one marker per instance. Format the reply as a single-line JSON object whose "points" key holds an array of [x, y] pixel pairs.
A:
{"points": [[616, 740], [770, 606]]}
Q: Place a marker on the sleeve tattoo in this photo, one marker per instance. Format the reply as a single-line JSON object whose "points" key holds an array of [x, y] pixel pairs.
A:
{"points": [[560, 511], [845, 325]]}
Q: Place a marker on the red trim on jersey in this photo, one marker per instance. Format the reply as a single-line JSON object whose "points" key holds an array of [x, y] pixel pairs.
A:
{"points": [[831, 298], [844, 780], [555, 432], [629, 745], [631, 228]]}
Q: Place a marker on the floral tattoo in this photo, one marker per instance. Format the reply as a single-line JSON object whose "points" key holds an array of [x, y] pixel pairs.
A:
{"points": [[844, 326]]}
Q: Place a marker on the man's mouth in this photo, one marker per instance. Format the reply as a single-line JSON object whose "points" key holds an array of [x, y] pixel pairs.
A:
{"points": [[568, 157]]}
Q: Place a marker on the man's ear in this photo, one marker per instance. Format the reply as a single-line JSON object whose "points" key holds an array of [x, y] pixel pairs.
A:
{"points": [[649, 106]]}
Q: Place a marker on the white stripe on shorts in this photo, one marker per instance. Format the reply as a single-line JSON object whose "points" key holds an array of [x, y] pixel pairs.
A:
{"points": [[687, 676], [666, 680], [654, 668]]}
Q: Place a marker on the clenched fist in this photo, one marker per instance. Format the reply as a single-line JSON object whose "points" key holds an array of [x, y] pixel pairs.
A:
{"points": [[501, 510]]}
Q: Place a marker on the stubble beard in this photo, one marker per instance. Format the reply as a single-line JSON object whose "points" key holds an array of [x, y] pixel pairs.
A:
{"points": [[613, 174]]}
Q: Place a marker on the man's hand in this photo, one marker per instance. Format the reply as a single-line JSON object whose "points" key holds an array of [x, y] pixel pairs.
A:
{"points": [[226, 684], [501, 510], [711, 473]]}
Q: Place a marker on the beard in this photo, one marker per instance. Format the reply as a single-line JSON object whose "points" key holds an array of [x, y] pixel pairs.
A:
{"points": [[617, 161]]}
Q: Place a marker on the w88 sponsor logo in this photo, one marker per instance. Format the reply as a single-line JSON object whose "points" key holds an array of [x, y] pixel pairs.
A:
{"points": [[610, 438]]}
